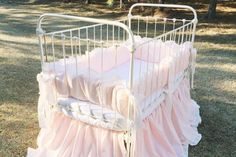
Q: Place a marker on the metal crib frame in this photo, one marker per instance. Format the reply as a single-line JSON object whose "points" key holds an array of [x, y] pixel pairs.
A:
{"points": [[177, 34], [40, 32]]}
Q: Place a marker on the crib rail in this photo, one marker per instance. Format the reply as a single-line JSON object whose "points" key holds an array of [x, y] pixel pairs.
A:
{"points": [[160, 24], [159, 29], [164, 6], [98, 33], [124, 32], [78, 43]]}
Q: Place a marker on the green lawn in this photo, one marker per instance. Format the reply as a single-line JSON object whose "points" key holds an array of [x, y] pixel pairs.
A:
{"points": [[215, 79]]}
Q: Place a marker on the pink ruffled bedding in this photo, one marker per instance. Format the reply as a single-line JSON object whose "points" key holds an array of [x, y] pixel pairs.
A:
{"points": [[164, 133], [167, 131], [108, 85]]}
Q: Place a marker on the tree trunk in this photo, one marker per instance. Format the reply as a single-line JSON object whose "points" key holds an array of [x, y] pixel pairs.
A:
{"points": [[87, 1], [211, 14]]}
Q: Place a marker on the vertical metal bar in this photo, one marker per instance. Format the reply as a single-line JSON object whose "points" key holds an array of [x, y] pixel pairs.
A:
{"points": [[76, 63], [131, 69], [124, 31], [146, 26], [179, 35], [155, 29], [64, 57], [107, 33], [140, 68], [190, 31], [102, 47], [94, 36], [174, 35], [118, 34], [76, 55], [182, 40], [138, 27], [45, 48], [54, 65], [40, 33], [158, 80], [87, 51], [164, 28], [187, 31], [194, 29], [80, 53], [173, 28], [101, 33], [63, 50], [116, 111], [53, 53], [87, 37], [89, 67], [153, 63], [146, 83], [71, 44], [113, 34]]}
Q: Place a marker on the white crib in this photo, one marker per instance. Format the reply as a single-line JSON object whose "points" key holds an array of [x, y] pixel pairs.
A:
{"points": [[114, 75]]}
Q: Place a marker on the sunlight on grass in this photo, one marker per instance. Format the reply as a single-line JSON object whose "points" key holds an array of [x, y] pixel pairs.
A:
{"points": [[18, 125]]}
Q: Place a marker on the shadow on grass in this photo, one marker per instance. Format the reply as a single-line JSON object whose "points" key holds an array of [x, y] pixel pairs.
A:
{"points": [[218, 110], [218, 39], [218, 129], [30, 49], [19, 84], [25, 25], [217, 56]]}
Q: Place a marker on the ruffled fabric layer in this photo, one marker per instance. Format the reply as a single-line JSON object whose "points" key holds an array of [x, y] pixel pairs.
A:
{"points": [[67, 137], [166, 132], [169, 130], [105, 77]]}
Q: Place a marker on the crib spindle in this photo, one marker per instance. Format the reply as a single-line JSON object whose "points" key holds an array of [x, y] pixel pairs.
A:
{"points": [[107, 34], [182, 40], [173, 28], [155, 28], [138, 27], [94, 36], [71, 44], [146, 26], [164, 27], [190, 31], [113, 35]]}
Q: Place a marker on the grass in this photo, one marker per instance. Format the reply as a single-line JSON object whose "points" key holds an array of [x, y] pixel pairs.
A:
{"points": [[215, 79]]}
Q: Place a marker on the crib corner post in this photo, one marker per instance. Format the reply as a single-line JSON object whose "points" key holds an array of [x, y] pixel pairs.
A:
{"points": [[40, 33], [131, 69], [192, 67], [195, 21], [129, 20]]}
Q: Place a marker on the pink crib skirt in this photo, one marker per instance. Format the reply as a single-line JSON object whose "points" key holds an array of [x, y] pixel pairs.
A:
{"points": [[164, 133]]}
